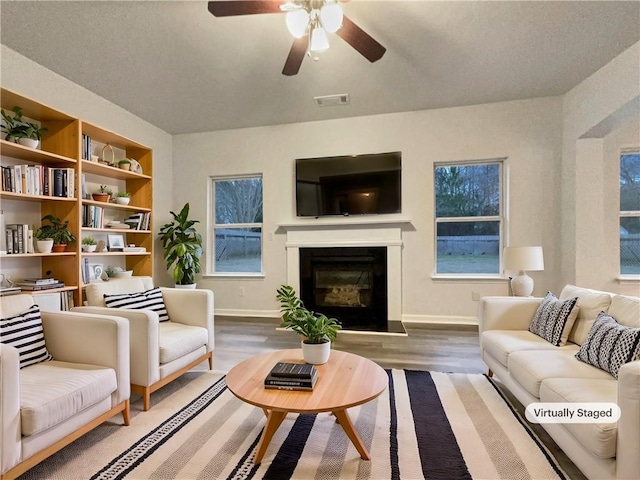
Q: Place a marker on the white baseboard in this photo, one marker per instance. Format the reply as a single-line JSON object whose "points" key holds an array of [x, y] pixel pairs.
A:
{"points": [[440, 319], [232, 312]]}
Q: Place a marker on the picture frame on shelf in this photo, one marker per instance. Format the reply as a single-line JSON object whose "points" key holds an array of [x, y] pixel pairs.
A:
{"points": [[115, 242], [95, 271]]}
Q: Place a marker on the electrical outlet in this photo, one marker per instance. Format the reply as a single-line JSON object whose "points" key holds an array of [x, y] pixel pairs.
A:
{"points": [[475, 296], [241, 291]]}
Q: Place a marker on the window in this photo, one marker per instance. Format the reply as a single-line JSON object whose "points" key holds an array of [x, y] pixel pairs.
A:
{"points": [[237, 225], [468, 218], [630, 212]]}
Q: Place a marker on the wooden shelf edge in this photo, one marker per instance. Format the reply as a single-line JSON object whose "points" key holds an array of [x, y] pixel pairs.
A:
{"points": [[20, 152], [34, 198], [37, 255], [50, 290]]}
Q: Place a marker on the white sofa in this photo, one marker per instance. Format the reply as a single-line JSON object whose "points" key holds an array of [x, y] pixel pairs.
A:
{"points": [[47, 405], [534, 370], [160, 351]]}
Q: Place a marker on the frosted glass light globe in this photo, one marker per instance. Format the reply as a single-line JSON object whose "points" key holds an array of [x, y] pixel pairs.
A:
{"points": [[297, 22], [331, 17]]}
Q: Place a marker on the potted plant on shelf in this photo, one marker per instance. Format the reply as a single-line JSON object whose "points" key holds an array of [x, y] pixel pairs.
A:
{"points": [[182, 246], [124, 164], [20, 131], [102, 195], [58, 231], [123, 198], [89, 245], [317, 330], [44, 242]]}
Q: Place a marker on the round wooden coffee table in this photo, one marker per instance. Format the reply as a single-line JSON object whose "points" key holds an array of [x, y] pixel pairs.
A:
{"points": [[345, 381]]}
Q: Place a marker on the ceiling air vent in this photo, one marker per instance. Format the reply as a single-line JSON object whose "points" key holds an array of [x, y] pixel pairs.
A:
{"points": [[332, 100]]}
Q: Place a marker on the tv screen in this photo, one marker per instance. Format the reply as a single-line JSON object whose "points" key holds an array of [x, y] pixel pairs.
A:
{"points": [[348, 185]]}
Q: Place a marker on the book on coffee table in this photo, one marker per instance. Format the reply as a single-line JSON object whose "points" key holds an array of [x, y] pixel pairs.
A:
{"points": [[291, 383], [293, 370]]}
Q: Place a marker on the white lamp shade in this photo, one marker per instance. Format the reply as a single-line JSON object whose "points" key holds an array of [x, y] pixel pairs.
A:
{"points": [[331, 17], [523, 258], [297, 22], [319, 41]]}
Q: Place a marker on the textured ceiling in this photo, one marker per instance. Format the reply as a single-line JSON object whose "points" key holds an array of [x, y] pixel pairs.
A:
{"points": [[178, 67]]}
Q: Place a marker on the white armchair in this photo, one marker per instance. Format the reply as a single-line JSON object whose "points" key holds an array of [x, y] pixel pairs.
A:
{"points": [[47, 405], [160, 351]]}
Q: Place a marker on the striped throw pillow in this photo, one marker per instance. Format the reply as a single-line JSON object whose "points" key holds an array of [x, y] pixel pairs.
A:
{"points": [[24, 332], [149, 300], [610, 345], [554, 318]]}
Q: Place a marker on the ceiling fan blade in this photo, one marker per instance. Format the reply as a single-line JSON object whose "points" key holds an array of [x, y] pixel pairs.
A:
{"points": [[360, 40], [229, 8], [296, 55]]}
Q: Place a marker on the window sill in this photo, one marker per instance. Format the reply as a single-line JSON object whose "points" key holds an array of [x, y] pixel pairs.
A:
{"points": [[628, 279], [234, 275], [461, 277]]}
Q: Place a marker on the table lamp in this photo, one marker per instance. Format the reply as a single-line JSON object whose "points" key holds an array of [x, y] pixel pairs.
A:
{"points": [[522, 259]]}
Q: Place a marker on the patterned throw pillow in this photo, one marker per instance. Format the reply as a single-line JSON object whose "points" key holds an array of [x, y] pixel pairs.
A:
{"points": [[610, 345], [149, 300], [554, 318], [24, 332]]}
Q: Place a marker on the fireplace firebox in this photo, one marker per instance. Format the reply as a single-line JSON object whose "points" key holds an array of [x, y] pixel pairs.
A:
{"points": [[348, 283]]}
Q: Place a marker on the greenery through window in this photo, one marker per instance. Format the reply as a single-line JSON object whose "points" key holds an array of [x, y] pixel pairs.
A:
{"points": [[630, 213], [237, 225], [468, 218]]}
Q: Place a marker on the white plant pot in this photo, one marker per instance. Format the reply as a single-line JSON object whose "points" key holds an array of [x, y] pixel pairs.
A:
{"points": [[89, 248], [123, 200], [316, 353], [29, 142], [191, 286], [44, 246]]}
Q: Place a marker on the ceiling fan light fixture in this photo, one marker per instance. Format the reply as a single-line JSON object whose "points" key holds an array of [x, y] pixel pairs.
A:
{"points": [[297, 22], [319, 41], [331, 17]]}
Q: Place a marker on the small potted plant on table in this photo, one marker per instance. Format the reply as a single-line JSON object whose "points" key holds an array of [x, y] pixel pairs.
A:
{"points": [[89, 245], [102, 195], [17, 130], [123, 198], [58, 231], [317, 330]]}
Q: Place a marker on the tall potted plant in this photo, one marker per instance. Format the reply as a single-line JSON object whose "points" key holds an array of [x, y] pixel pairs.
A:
{"points": [[317, 330], [182, 246]]}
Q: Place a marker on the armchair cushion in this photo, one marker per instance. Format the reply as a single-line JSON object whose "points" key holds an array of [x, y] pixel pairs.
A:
{"points": [[177, 340], [147, 300], [71, 388], [24, 333]]}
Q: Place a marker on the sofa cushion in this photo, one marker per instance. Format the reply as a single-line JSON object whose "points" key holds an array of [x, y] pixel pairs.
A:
{"points": [[147, 300], [24, 332], [610, 345], [54, 391], [598, 438], [177, 340], [501, 343], [626, 310], [554, 318], [530, 368], [591, 303]]}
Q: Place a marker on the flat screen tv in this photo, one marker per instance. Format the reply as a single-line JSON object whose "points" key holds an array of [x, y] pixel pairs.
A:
{"points": [[348, 185]]}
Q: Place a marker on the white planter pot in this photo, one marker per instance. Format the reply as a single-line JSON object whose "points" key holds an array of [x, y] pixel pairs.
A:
{"points": [[123, 200], [89, 248], [29, 142], [316, 353], [44, 246], [191, 286]]}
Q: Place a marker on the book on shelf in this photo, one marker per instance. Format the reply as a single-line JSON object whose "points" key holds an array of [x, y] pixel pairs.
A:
{"points": [[6, 291], [134, 249], [291, 383], [17, 238], [40, 281], [33, 288], [293, 370]]}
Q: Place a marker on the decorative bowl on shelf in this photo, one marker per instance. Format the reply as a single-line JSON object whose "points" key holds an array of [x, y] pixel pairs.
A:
{"points": [[126, 273]]}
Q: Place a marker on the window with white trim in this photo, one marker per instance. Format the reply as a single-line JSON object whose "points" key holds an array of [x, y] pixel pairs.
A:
{"points": [[630, 212], [468, 218], [236, 236]]}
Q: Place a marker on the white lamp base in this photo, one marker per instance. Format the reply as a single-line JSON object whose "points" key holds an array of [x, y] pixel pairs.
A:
{"points": [[522, 285]]}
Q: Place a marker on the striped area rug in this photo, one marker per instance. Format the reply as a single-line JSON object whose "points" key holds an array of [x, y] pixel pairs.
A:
{"points": [[426, 425]]}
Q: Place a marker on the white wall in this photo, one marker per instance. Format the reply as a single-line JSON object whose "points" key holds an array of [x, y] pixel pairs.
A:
{"points": [[527, 133], [600, 115], [32, 80]]}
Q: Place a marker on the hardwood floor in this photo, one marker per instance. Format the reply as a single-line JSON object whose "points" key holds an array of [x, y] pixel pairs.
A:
{"points": [[424, 347]]}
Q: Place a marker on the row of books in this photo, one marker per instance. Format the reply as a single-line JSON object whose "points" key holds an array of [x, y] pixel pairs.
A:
{"points": [[87, 147], [139, 221], [291, 376], [86, 274], [39, 180], [92, 216], [19, 238]]}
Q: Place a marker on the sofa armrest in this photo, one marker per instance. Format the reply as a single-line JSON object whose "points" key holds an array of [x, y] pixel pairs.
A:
{"points": [[92, 339], [191, 307], [10, 432], [506, 313], [628, 446], [144, 347]]}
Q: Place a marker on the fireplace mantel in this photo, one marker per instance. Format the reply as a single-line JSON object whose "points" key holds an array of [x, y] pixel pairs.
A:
{"points": [[373, 221]]}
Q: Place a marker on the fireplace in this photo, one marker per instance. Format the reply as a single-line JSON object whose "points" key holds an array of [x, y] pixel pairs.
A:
{"points": [[348, 283]]}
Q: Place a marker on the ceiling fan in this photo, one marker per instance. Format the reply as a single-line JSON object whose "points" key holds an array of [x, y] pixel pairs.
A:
{"points": [[308, 21]]}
